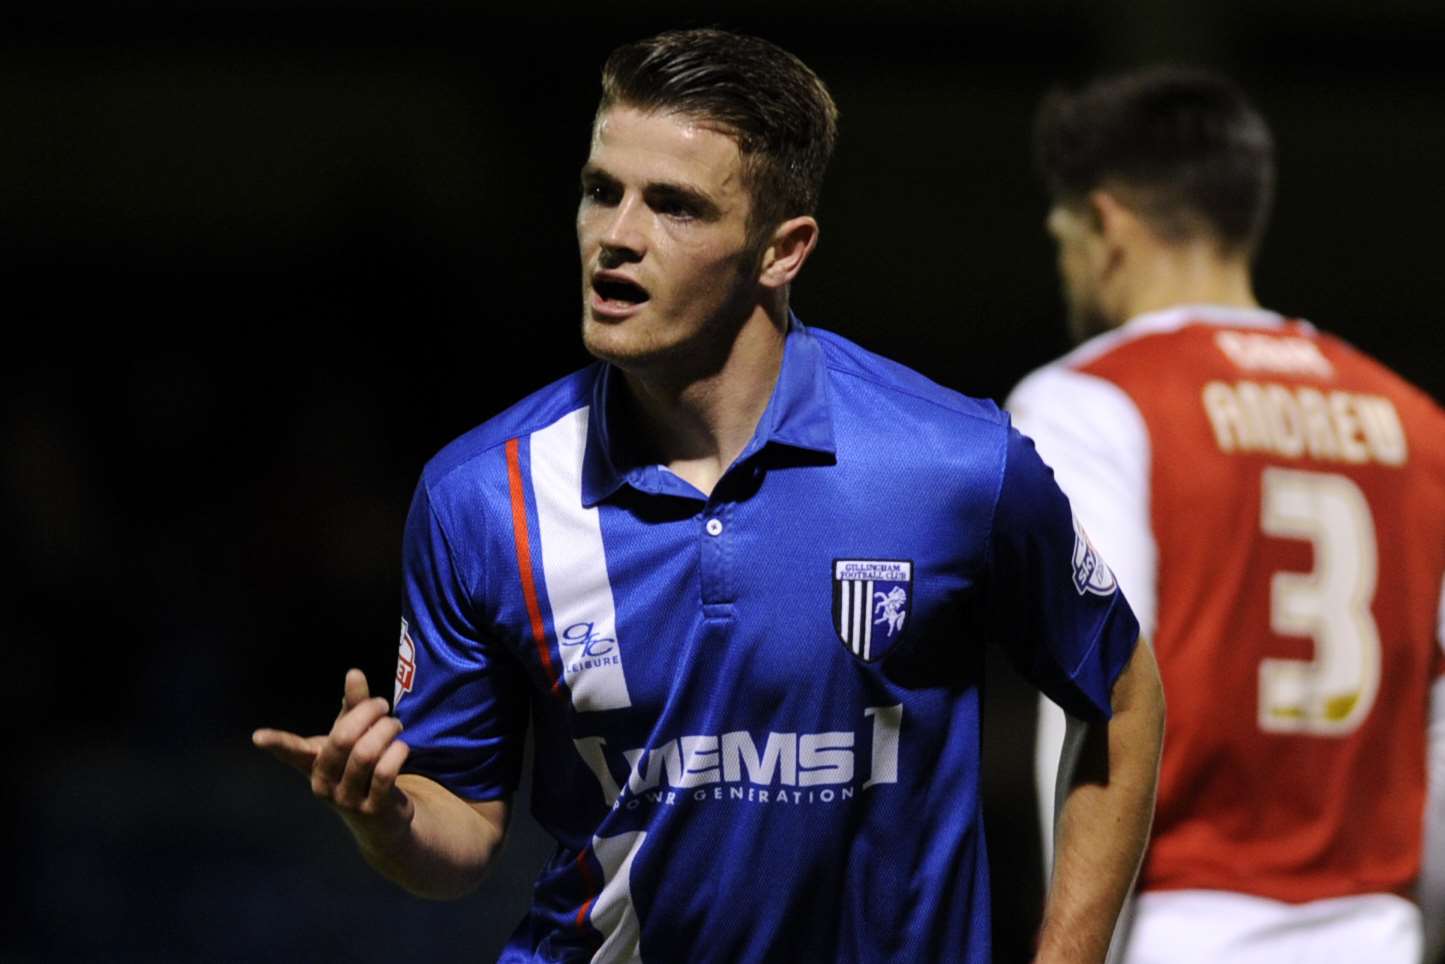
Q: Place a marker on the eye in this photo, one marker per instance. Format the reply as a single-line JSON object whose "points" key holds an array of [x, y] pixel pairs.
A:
{"points": [[599, 192], [675, 208]]}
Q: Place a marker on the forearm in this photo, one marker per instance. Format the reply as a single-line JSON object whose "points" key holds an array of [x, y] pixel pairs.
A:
{"points": [[1104, 819], [1432, 870], [443, 851]]}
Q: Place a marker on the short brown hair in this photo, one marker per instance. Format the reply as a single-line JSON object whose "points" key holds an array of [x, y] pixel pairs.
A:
{"points": [[1184, 144], [778, 110]]}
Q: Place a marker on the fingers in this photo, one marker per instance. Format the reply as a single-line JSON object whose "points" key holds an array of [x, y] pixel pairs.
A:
{"points": [[350, 727], [355, 766], [298, 752], [354, 691], [383, 778], [355, 784]]}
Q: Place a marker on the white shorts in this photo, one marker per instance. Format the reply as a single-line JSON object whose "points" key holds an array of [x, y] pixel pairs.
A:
{"points": [[1210, 927]]}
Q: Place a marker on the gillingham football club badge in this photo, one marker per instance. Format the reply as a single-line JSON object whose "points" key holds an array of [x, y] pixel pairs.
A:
{"points": [[871, 602]]}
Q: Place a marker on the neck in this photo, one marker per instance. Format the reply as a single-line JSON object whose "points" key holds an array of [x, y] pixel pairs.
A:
{"points": [[1187, 274], [699, 424]]}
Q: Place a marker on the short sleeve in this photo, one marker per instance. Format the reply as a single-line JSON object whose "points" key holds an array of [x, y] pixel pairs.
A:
{"points": [[1440, 633], [461, 696], [1055, 605], [1090, 432]]}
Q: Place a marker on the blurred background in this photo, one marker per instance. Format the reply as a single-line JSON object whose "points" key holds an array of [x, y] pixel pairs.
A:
{"points": [[260, 259]]}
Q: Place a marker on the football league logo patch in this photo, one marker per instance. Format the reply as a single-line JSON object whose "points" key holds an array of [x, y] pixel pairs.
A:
{"points": [[871, 602], [1091, 574], [405, 665]]}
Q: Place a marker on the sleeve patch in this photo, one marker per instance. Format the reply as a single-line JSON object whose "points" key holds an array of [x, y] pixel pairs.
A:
{"points": [[405, 665], [1091, 573]]}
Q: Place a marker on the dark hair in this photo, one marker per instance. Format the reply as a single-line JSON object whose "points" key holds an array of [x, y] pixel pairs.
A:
{"points": [[1183, 146], [780, 113]]}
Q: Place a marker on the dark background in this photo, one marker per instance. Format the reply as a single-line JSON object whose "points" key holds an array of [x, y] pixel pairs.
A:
{"points": [[259, 260]]}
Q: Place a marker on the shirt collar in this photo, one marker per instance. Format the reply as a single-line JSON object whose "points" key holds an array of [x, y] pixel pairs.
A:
{"points": [[1172, 319], [1179, 315], [798, 416]]}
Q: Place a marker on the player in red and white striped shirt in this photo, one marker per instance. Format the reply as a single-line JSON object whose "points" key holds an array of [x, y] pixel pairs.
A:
{"points": [[1273, 504]]}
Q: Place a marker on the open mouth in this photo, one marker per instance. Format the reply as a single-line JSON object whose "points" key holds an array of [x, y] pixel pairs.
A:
{"points": [[619, 293]]}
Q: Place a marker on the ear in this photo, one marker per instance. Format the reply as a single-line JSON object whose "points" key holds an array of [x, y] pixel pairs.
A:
{"points": [[1115, 224], [783, 258], [1114, 218]]}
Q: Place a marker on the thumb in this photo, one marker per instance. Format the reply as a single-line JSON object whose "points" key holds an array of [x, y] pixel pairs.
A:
{"points": [[297, 752]]}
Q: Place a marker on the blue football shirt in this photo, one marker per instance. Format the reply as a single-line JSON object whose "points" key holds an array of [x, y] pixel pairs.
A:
{"points": [[756, 713]]}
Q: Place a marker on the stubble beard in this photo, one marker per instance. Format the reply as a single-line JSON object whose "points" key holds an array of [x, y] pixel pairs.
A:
{"points": [[696, 354]]}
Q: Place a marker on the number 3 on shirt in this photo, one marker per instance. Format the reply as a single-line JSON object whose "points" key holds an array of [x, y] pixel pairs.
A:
{"points": [[1331, 694]]}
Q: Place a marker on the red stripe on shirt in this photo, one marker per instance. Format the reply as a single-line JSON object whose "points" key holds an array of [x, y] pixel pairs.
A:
{"points": [[589, 882], [524, 557]]}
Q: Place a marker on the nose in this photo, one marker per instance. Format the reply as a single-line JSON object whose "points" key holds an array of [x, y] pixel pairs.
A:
{"points": [[624, 237]]}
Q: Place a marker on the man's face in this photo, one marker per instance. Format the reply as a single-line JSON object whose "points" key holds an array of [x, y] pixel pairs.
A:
{"points": [[1082, 262], [662, 227]]}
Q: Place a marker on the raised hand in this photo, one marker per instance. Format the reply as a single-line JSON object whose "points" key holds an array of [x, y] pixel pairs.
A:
{"points": [[354, 767]]}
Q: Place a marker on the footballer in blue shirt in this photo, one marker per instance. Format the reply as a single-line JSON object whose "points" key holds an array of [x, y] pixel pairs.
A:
{"points": [[739, 575]]}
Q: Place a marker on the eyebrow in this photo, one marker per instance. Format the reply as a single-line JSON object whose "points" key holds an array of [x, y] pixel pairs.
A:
{"points": [[655, 192], [596, 175]]}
